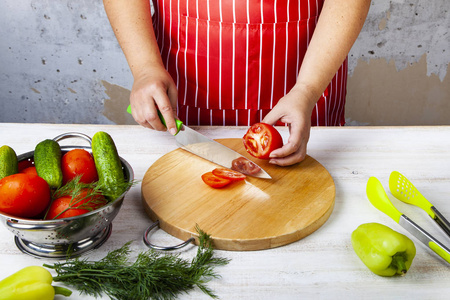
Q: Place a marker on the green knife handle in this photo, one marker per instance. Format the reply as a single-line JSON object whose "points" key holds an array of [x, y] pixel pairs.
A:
{"points": [[179, 124]]}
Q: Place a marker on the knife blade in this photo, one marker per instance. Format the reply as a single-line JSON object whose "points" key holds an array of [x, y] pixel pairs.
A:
{"points": [[200, 145], [206, 148]]}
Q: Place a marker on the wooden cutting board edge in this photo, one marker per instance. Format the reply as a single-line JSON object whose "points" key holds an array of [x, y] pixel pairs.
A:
{"points": [[237, 244]]}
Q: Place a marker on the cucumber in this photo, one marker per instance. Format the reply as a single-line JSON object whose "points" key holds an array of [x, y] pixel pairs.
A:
{"points": [[109, 167], [47, 160], [8, 161]]}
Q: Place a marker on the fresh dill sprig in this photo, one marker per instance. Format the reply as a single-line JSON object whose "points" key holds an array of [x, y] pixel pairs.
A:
{"points": [[95, 194], [74, 187], [152, 276]]}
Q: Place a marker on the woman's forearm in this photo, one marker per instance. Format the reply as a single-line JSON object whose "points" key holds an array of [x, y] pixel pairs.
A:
{"points": [[338, 27], [153, 88], [132, 24]]}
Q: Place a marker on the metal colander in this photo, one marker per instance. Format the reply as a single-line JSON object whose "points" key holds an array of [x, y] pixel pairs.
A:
{"points": [[73, 236]]}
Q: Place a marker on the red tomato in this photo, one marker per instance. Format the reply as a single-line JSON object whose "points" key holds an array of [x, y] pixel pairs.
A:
{"points": [[261, 139], [228, 174], [214, 181], [245, 166], [78, 162], [66, 207], [23, 164], [30, 170], [24, 195]]}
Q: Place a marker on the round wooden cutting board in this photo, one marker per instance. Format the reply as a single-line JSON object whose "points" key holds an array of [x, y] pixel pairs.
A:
{"points": [[254, 214]]}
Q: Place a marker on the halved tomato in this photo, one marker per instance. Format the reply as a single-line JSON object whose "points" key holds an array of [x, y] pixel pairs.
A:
{"points": [[261, 139], [214, 181], [228, 174]]}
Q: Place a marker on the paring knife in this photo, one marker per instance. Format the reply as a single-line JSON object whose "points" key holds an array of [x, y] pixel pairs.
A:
{"points": [[200, 145], [378, 197]]}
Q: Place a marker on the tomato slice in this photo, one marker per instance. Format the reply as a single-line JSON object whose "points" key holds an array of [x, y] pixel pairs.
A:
{"points": [[228, 174], [214, 181], [261, 139], [245, 166]]}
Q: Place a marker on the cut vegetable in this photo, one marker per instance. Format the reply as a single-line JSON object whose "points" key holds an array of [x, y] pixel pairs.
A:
{"points": [[214, 181], [228, 174], [261, 139]]}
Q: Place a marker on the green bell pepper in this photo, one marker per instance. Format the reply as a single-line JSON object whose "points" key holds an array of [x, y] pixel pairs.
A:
{"points": [[30, 283], [384, 251]]}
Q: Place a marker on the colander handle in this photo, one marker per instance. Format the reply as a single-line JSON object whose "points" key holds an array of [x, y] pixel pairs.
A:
{"points": [[22, 226], [170, 248], [73, 135]]}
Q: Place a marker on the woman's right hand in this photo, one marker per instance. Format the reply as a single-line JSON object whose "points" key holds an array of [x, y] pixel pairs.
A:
{"points": [[153, 87], [154, 90]]}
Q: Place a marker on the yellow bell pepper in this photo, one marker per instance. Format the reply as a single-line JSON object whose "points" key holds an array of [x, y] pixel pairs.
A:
{"points": [[30, 283], [384, 251]]}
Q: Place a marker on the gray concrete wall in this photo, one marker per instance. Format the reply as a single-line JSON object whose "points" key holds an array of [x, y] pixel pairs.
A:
{"points": [[399, 66], [60, 63]]}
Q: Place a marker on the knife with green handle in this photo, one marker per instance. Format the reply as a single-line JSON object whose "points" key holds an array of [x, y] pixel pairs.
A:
{"points": [[178, 123], [200, 145], [378, 197]]}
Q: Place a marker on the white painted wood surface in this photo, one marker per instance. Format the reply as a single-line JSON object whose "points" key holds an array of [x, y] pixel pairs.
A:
{"points": [[322, 265]]}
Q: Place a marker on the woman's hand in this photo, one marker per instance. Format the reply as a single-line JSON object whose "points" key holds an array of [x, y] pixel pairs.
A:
{"points": [[153, 87], [152, 91], [294, 109], [337, 29]]}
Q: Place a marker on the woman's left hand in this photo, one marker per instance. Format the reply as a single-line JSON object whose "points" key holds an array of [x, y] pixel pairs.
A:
{"points": [[295, 110]]}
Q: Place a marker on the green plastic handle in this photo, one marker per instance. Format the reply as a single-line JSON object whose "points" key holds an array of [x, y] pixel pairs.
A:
{"points": [[439, 251], [377, 196], [179, 124]]}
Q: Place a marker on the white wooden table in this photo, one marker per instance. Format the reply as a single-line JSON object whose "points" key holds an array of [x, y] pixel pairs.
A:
{"points": [[322, 265]]}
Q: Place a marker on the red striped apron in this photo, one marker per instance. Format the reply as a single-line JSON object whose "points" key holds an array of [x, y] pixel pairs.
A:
{"points": [[232, 60]]}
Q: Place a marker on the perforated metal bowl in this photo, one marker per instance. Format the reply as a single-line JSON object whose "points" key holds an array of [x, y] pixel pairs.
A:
{"points": [[66, 237]]}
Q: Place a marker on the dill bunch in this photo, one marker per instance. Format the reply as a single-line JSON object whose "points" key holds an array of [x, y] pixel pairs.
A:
{"points": [[152, 276], [74, 187]]}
